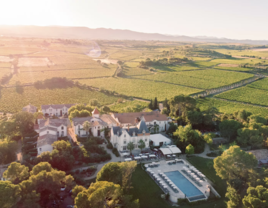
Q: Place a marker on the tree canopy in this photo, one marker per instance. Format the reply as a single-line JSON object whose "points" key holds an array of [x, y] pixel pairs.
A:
{"points": [[235, 163]]}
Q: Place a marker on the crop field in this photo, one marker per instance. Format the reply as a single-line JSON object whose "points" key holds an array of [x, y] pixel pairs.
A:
{"points": [[30, 77], [237, 61], [240, 69], [12, 101], [261, 84], [127, 106], [208, 66], [202, 79], [139, 88], [247, 95], [225, 106]]}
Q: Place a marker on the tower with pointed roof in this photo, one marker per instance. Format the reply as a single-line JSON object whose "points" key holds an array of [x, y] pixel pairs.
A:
{"points": [[96, 113]]}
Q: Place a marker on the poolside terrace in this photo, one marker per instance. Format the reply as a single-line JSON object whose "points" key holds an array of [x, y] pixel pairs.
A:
{"points": [[159, 173]]}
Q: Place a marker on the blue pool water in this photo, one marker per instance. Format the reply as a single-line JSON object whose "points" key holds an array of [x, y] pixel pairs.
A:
{"points": [[183, 184]]}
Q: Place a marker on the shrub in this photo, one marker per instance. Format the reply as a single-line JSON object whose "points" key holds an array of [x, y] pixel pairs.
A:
{"points": [[116, 153], [109, 145], [77, 171]]}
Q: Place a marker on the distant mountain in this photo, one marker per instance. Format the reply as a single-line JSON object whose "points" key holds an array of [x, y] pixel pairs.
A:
{"points": [[108, 34]]}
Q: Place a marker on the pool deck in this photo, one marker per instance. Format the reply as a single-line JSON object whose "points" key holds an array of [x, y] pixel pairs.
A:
{"points": [[164, 167]]}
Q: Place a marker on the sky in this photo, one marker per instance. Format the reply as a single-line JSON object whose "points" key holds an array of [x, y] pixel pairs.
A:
{"points": [[236, 19]]}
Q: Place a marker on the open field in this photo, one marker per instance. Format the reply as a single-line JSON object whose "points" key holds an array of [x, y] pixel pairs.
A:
{"points": [[139, 88], [128, 106], [225, 106], [30, 77], [12, 101], [246, 94], [234, 68], [202, 79]]}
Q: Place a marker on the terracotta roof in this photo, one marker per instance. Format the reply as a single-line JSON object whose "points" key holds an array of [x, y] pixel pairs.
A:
{"points": [[131, 117], [53, 122], [46, 139], [57, 106], [108, 119], [95, 111]]}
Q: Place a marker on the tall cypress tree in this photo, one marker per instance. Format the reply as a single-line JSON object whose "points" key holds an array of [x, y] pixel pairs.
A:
{"points": [[155, 104], [150, 105]]}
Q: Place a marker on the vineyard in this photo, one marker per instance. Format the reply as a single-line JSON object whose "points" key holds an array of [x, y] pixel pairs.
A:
{"points": [[178, 68], [129, 106], [246, 95], [230, 107], [202, 79], [11, 101], [139, 88]]}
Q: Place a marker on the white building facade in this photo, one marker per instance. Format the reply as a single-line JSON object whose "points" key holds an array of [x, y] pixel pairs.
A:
{"points": [[56, 110], [97, 124], [121, 136], [49, 131]]}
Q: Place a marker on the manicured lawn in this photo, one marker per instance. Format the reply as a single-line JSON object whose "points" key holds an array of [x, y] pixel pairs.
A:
{"points": [[149, 194]]}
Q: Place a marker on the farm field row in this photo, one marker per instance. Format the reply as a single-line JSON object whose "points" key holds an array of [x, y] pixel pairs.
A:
{"points": [[243, 52], [128, 106], [12, 101], [246, 94], [202, 79], [230, 107], [139, 88], [234, 68], [261, 84], [30, 77], [238, 61]]}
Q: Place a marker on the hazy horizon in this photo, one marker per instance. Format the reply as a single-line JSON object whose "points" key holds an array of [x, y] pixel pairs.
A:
{"points": [[221, 19]]}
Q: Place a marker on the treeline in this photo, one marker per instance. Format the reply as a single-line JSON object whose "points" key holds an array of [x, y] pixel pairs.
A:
{"points": [[161, 62], [55, 82]]}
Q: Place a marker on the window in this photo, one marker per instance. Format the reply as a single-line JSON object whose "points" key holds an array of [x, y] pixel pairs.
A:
{"points": [[62, 133], [146, 140], [40, 149], [62, 127], [47, 132], [125, 142], [124, 135]]}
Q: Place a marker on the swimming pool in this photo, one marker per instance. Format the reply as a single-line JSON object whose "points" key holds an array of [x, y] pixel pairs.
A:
{"points": [[183, 184]]}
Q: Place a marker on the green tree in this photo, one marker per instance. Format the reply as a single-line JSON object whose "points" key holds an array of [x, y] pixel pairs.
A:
{"points": [[150, 105], [233, 196], [106, 109], [256, 198], [155, 104], [94, 102], [24, 122], [189, 149], [62, 155], [235, 163], [10, 194], [257, 119], [111, 172], [104, 194], [42, 166], [130, 147], [194, 117], [86, 127], [242, 115], [141, 144], [16, 173], [228, 128], [209, 138], [248, 136], [7, 151]]}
